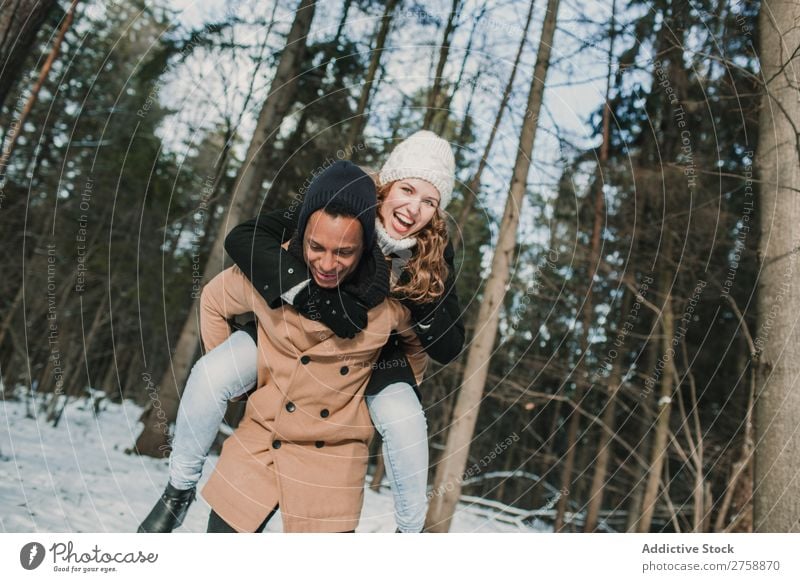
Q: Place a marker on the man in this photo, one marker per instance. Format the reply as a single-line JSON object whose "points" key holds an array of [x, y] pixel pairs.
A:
{"points": [[303, 443]]}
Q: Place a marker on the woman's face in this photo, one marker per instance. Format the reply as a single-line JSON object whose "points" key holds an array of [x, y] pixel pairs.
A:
{"points": [[408, 207]]}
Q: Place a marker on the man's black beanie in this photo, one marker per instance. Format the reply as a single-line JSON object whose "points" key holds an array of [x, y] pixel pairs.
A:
{"points": [[342, 186]]}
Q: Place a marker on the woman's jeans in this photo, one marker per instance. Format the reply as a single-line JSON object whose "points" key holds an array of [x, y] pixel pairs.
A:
{"points": [[230, 370], [227, 371], [397, 415]]}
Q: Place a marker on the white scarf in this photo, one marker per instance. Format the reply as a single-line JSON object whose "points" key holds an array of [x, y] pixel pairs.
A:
{"points": [[397, 250], [391, 245]]}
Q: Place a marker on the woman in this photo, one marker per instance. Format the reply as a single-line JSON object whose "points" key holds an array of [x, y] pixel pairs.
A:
{"points": [[415, 186]]}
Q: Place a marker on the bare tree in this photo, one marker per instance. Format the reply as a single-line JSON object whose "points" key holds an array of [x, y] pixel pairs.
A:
{"points": [[447, 485], [359, 117], [475, 183], [448, 100], [777, 454], [588, 304], [661, 431], [435, 95]]}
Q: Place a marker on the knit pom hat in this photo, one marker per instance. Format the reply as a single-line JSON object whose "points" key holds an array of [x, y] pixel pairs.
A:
{"points": [[342, 186], [426, 156]]}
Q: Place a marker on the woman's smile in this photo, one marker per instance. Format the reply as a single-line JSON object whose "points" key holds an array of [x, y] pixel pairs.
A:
{"points": [[409, 205]]}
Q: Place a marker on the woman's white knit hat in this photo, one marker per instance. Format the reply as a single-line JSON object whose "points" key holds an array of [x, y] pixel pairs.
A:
{"points": [[426, 156]]}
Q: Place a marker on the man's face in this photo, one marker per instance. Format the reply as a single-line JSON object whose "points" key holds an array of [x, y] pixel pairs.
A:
{"points": [[332, 247]]}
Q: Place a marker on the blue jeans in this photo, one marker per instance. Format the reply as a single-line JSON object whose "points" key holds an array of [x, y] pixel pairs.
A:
{"points": [[398, 416], [227, 371], [230, 370]]}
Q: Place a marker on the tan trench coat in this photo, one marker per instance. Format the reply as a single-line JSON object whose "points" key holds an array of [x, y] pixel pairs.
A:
{"points": [[303, 442]]}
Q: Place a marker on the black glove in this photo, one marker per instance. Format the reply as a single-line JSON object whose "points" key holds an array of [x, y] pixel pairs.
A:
{"points": [[421, 313], [335, 308]]}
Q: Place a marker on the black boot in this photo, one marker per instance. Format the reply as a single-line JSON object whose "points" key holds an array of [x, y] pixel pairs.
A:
{"points": [[169, 511]]}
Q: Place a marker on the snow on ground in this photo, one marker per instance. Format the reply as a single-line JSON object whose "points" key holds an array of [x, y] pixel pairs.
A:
{"points": [[77, 477]]}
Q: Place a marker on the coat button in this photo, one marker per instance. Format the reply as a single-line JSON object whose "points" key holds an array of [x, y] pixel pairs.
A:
{"points": [[319, 444], [276, 444], [430, 337], [344, 370], [266, 287], [304, 360], [290, 406], [324, 413], [290, 271]]}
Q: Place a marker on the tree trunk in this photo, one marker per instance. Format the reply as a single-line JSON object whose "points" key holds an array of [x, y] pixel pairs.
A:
{"points": [[66, 23], [359, 117], [696, 442], [447, 488], [777, 455], [588, 304], [604, 441], [433, 107], [19, 359], [9, 313], [658, 454], [596, 490], [19, 24], [154, 438], [744, 462], [75, 383], [643, 437], [569, 458], [548, 446], [342, 22], [247, 187], [466, 127], [111, 383], [475, 183], [440, 128]]}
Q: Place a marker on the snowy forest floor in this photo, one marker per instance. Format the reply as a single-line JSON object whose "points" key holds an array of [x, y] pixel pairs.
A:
{"points": [[76, 477]]}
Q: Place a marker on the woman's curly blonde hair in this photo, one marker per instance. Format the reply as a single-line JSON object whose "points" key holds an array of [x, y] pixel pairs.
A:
{"points": [[427, 270]]}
